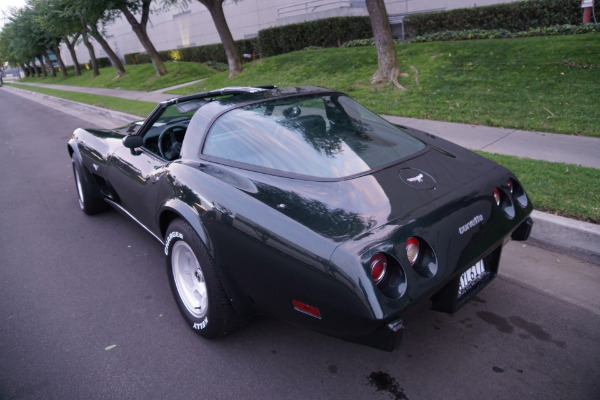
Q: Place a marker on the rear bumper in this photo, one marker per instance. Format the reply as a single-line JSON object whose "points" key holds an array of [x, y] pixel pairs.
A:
{"points": [[523, 231], [386, 338]]}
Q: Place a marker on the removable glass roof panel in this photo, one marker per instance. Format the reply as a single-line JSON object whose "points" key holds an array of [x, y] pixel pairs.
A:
{"points": [[329, 136]]}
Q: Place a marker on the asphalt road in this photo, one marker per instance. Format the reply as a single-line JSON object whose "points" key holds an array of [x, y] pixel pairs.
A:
{"points": [[86, 313]]}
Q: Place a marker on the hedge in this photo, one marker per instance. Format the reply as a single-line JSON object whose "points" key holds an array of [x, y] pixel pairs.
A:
{"points": [[554, 30], [513, 17], [102, 62], [199, 54], [329, 32]]}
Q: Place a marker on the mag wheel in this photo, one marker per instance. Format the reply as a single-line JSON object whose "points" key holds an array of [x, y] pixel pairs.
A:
{"points": [[195, 284], [90, 199]]}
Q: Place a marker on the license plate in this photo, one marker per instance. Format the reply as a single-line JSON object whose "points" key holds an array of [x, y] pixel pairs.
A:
{"points": [[470, 277]]}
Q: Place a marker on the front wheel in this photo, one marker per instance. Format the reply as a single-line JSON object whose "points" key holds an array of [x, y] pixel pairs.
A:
{"points": [[195, 285], [90, 199]]}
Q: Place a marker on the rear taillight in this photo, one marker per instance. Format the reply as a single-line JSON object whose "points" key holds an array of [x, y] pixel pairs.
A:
{"points": [[412, 250], [497, 196], [387, 275], [518, 193], [378, 266]]}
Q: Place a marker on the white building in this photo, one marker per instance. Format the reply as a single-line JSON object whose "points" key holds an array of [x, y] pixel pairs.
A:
{"points": [[181, 26]]}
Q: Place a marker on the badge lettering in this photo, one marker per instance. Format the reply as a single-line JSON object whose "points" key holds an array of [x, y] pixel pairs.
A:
{"points": [[171, 236], [478, 219]]}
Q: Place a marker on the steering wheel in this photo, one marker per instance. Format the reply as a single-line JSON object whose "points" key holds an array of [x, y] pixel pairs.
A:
{"points": [[171, 147]]}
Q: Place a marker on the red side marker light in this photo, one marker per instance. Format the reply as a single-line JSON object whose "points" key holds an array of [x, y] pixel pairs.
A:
{"points": [[306, 309]]}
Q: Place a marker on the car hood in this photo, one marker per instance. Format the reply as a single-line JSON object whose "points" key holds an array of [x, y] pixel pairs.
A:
{"points": [[342, 210]]}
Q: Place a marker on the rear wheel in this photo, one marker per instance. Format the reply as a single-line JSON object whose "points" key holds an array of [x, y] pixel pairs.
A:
{"points": [[195, 284], [90, 199]]}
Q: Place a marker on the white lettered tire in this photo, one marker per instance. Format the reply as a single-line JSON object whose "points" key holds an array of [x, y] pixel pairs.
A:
{"points": [[195, 284]]}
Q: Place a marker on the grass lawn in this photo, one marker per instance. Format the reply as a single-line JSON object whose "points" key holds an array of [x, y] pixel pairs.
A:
{"points": [[139, 77], [547, 84], [136, 107]]}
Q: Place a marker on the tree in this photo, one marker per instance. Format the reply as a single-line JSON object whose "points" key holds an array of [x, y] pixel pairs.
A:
{"points": [[131, 7], [46, 16], [96, 15], [215, 7], [115, 60], [71, 42], [387, 60], [90, 47], [28, 39]]}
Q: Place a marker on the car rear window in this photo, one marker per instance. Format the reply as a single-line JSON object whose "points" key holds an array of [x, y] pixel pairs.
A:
{"points": [[318, 136]]}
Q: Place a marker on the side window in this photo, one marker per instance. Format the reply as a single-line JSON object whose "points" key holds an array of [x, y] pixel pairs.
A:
{"points": [[165, 136]]}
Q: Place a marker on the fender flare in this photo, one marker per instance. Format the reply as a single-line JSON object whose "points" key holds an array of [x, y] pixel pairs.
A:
{"points": [[176, 208], [72, 147], [187, 213]]}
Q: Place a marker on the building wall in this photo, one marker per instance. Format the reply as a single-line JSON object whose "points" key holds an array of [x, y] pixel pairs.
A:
{"points": [[192, 25]]}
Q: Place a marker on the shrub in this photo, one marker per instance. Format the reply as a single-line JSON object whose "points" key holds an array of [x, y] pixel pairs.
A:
{"points": [[217, 66], [103, 62], [199, 54], [359, 43], [513, 17], [501, 33], [330, 32], [131, 58]]}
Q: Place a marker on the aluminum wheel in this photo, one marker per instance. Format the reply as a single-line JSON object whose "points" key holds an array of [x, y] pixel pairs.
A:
{"points": [[78, 183], [189, 279]]}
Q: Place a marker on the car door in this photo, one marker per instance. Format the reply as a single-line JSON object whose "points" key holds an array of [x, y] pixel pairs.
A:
{"points": [[135, 178]]}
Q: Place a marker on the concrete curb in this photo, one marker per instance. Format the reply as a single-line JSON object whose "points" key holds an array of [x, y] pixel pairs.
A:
{"points": [[73, 107], [575, 238]]}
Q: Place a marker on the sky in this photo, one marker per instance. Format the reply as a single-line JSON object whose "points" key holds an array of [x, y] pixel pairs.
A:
{"points": [[5, 5]]}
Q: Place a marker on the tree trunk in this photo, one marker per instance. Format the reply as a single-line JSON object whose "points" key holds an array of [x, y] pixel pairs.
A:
{"points": [[109, 51], [71, 47], [63, 68], [26, 70], [49, 61], [215, 7], [387, 61], [41, 57], [35, 69], [86, 42], [139, 28]]}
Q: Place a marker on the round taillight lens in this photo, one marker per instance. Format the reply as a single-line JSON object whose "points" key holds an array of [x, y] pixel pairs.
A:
{"points": [[497, 196], [412, 250], [510, 186], [378, 267]]}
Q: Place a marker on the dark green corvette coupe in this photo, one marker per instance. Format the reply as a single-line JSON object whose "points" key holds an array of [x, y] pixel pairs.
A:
{"points": [[301, 204]]}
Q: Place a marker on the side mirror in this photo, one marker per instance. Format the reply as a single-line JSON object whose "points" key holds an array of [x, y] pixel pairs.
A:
{"points": [[133, 141]]}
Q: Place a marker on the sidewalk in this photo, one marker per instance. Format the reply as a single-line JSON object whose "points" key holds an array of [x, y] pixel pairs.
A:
{"points": [[576, 238], [155, 96]]}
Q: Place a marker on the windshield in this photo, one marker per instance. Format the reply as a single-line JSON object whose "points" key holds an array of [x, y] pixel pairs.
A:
{"points": [[319, 136]]}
